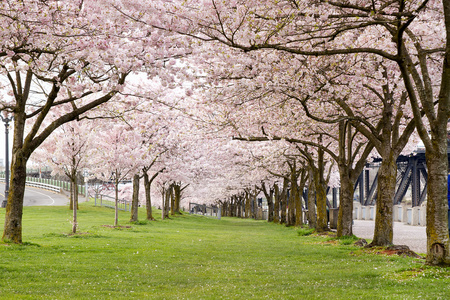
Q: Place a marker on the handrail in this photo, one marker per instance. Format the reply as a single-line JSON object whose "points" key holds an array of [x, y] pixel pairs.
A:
{"points": [[40, 185], [121, 203]]}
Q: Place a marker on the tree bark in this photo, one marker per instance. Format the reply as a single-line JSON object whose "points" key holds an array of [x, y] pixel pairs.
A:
{"points": [[387, 179], [163, 197], [135, 200], [166, 203], [269, 198], [437, 208], [312, 220], [172, 198], [283, 201], [239, 206], [148, 196], [345, 216], [12, 231], [349, 172], [321, 199], [177, 198], [225, 208], [75, 204], [232, 209], [116, 202], [276, 210], [247, 204], [293, 204], [71, 194], [298, 200], [320, 186], [438, 251]]}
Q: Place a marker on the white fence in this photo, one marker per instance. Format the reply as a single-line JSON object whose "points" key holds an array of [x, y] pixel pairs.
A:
{"points": [[108, 201], [50, 184], [202, 209]]}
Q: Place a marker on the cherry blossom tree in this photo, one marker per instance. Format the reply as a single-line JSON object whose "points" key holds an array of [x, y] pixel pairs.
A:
{"points": [[118, 156], [59, 60], [412, 34], [67, 152]]}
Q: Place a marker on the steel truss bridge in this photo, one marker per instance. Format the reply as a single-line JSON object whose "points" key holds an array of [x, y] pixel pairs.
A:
{"points": [[411, 176]]}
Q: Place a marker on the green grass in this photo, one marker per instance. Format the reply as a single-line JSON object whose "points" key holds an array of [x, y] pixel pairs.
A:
{"points": [[193, 257]]}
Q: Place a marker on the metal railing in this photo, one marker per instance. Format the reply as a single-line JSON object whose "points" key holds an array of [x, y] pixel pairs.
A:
{"points": [[108, 201], [41, 185], [202, 209], [46, 183]]}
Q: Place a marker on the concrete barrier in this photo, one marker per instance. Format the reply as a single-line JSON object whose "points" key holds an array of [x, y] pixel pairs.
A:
{"points": [[356, 210], [415, 216], [398, 213], [334, 214]]}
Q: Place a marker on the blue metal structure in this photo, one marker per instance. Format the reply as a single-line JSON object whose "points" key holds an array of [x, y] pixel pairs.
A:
{"points": [[412, 173]]}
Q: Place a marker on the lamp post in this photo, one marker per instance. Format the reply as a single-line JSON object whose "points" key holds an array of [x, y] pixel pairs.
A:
{"points": [[6, 120]]}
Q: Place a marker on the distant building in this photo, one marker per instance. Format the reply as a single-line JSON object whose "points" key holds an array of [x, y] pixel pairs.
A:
{"points": [[2, 164]]}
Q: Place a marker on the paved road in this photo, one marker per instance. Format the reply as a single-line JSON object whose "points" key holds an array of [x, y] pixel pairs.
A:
{"points": [[413, 236], [38, 197]]}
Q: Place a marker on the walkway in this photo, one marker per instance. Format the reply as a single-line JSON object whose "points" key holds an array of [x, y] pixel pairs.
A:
{"points": [[38, 197], [413, 236]]}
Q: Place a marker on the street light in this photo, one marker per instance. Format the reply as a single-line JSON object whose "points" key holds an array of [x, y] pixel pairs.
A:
{"points": [[6, 119]]}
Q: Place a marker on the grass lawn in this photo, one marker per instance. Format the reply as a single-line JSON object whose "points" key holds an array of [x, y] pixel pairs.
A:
{"points": [[193, 257]]}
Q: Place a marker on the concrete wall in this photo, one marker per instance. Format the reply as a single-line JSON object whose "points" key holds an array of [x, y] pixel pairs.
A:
{"points": [[415, 216]]}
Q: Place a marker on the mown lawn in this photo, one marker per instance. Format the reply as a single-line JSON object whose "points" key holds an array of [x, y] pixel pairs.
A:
{"points": [[193, 257]]}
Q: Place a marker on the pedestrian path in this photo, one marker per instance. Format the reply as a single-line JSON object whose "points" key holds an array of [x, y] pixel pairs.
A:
{"points": [[413, 236]]}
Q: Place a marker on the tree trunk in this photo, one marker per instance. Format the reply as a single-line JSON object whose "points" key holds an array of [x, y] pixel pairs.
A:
{"points": [[135, 200], [172, 198], [437, 163], [349, 171], [345, 217], [12, 231], [276, 210], [284, 201], [239, 207], [321, 192], [293, 197], [177, 198], [75, 204], [247, 205], [321, 199], [148, 195], [437, 207], [71, 194], [163, 200], [269, 198], [270, 206], [116, 202], [167, 201], [387, 179], [299, 200], [225, 208], [254, 204], [312, 220], [231, 208]]}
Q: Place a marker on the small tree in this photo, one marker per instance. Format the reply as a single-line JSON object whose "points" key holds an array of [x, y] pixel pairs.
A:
{"points": [[67, 151], [118, 155]]}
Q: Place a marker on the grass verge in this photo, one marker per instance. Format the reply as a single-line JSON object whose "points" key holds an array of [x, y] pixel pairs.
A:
{"points": [[193, 257]]}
